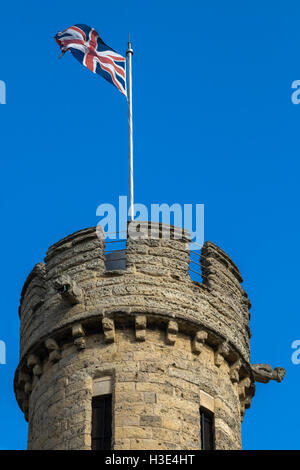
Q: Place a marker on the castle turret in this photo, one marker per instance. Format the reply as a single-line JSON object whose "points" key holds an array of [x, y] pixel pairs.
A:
{"points": [[135, 355]]}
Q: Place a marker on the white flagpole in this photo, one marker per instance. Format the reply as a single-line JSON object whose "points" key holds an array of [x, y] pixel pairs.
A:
{"points": [[129, 53]]}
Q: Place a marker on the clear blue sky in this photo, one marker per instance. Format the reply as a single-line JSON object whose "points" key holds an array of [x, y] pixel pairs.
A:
{"points": [[213, 123]]}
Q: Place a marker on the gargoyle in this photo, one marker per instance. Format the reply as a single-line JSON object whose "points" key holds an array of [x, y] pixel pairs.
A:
{"points": [[263, 373], [68, 289]]}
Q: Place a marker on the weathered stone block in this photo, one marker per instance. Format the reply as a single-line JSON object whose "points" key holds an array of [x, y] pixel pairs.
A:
{"points": [[150, 420]]}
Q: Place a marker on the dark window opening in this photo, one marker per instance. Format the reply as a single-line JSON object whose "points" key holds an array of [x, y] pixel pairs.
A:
{"points": [[101, 422], [207, 429]]}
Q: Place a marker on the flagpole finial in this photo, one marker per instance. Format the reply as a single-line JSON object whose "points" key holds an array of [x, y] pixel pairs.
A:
{"points": [[129, 50]]}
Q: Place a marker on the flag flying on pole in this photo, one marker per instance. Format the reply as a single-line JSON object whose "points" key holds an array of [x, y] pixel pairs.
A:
{"points": [[86, 46]]}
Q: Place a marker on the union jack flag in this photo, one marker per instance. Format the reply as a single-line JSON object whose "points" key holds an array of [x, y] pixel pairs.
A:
{"points": [[86, 46]]}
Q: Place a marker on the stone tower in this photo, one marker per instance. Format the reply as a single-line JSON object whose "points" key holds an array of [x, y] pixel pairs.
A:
{"points": [[165, 348]]}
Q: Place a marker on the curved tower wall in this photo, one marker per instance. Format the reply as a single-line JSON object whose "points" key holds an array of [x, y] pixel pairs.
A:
{"points": [[163, 344]]}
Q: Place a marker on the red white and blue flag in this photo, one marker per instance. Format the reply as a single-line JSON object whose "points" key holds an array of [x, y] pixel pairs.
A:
{"points": [[86, 46]]}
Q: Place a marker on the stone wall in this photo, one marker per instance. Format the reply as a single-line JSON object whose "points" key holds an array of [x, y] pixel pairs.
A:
{"points": [[156, 394], [165, 340]]}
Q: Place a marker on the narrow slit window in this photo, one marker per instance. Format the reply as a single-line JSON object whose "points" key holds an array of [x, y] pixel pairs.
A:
{"points": [[207, 429], [101, 422]]}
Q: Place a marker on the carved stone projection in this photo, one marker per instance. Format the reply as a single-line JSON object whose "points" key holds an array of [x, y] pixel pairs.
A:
{"points": [[68, 289], [264, 373]]}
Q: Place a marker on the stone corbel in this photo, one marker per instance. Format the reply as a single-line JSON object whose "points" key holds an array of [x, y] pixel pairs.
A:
{"points": [[172, 331], [140, 327], [37, 370], [199, 341], [234, 371], [242, 407], [263, 373], [34, 363], [68, 289], [243, 385], [245, 404], [28, 387], [79, 336], [20, 396], [23, 377], [53, 349], [108, 326], [221, 352], [25, 382]]}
